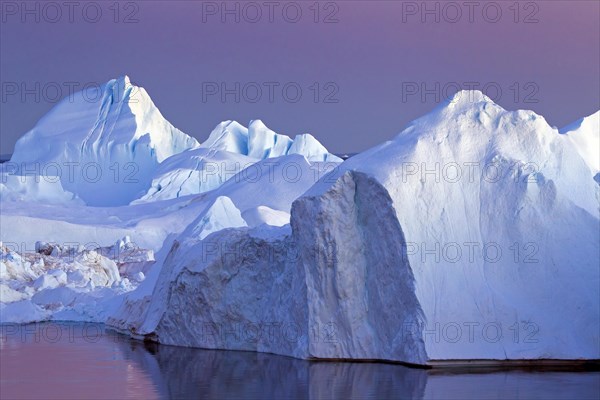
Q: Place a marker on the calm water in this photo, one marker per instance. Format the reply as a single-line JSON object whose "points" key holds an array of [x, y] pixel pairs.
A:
{"points": [[59, 360]]}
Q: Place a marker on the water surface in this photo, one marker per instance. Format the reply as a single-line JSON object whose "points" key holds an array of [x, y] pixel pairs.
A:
{"points": [[78, 361]]}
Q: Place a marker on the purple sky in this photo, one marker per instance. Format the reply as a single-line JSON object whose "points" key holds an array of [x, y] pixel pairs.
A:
{"points": [[370, 56]]}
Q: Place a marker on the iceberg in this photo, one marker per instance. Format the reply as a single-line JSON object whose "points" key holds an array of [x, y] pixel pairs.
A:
{"points": [[228, 136], [259, 142], [110, 146], [471, 235], [193, 172], [437, 247], [104, 143]]}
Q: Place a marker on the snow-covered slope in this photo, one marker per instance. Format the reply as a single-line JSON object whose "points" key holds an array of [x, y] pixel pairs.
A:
{"points": [[268, 287], [228, 136], [208, 167], [465, 237], [585, 135], [34, 188], [110, 145], [104, 143], [194, 171], [261, 195], [501, 222]]}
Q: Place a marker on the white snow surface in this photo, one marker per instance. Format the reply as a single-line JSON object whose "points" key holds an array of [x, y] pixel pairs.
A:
{"points": [[41, 189], [104, 143], [463, 238], [585, 135], [57, 281], [194, 171], [258, 141], [229, 151], [473, 234], [472, 175], [109, 145]]}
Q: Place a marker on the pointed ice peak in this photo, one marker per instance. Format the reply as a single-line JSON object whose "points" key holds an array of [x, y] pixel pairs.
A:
{"points": [[257, 124], [228, 136], [120, 81], [472, 114], [471, 103], [260, 142], [308, 146], [468, 97], [221, 214], [266, 143], [228, 125], [123, 89], [257, 128], [233, 126], [115, 122]]}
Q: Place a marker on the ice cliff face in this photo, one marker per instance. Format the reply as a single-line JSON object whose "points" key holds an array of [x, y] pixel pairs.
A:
{"points": [[465, 237], [484, 197], [104, 143], [269, 290]]}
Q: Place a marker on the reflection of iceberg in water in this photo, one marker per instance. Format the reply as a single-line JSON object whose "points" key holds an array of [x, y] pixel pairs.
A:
{"points": [[185, 373], [99, 363]]}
